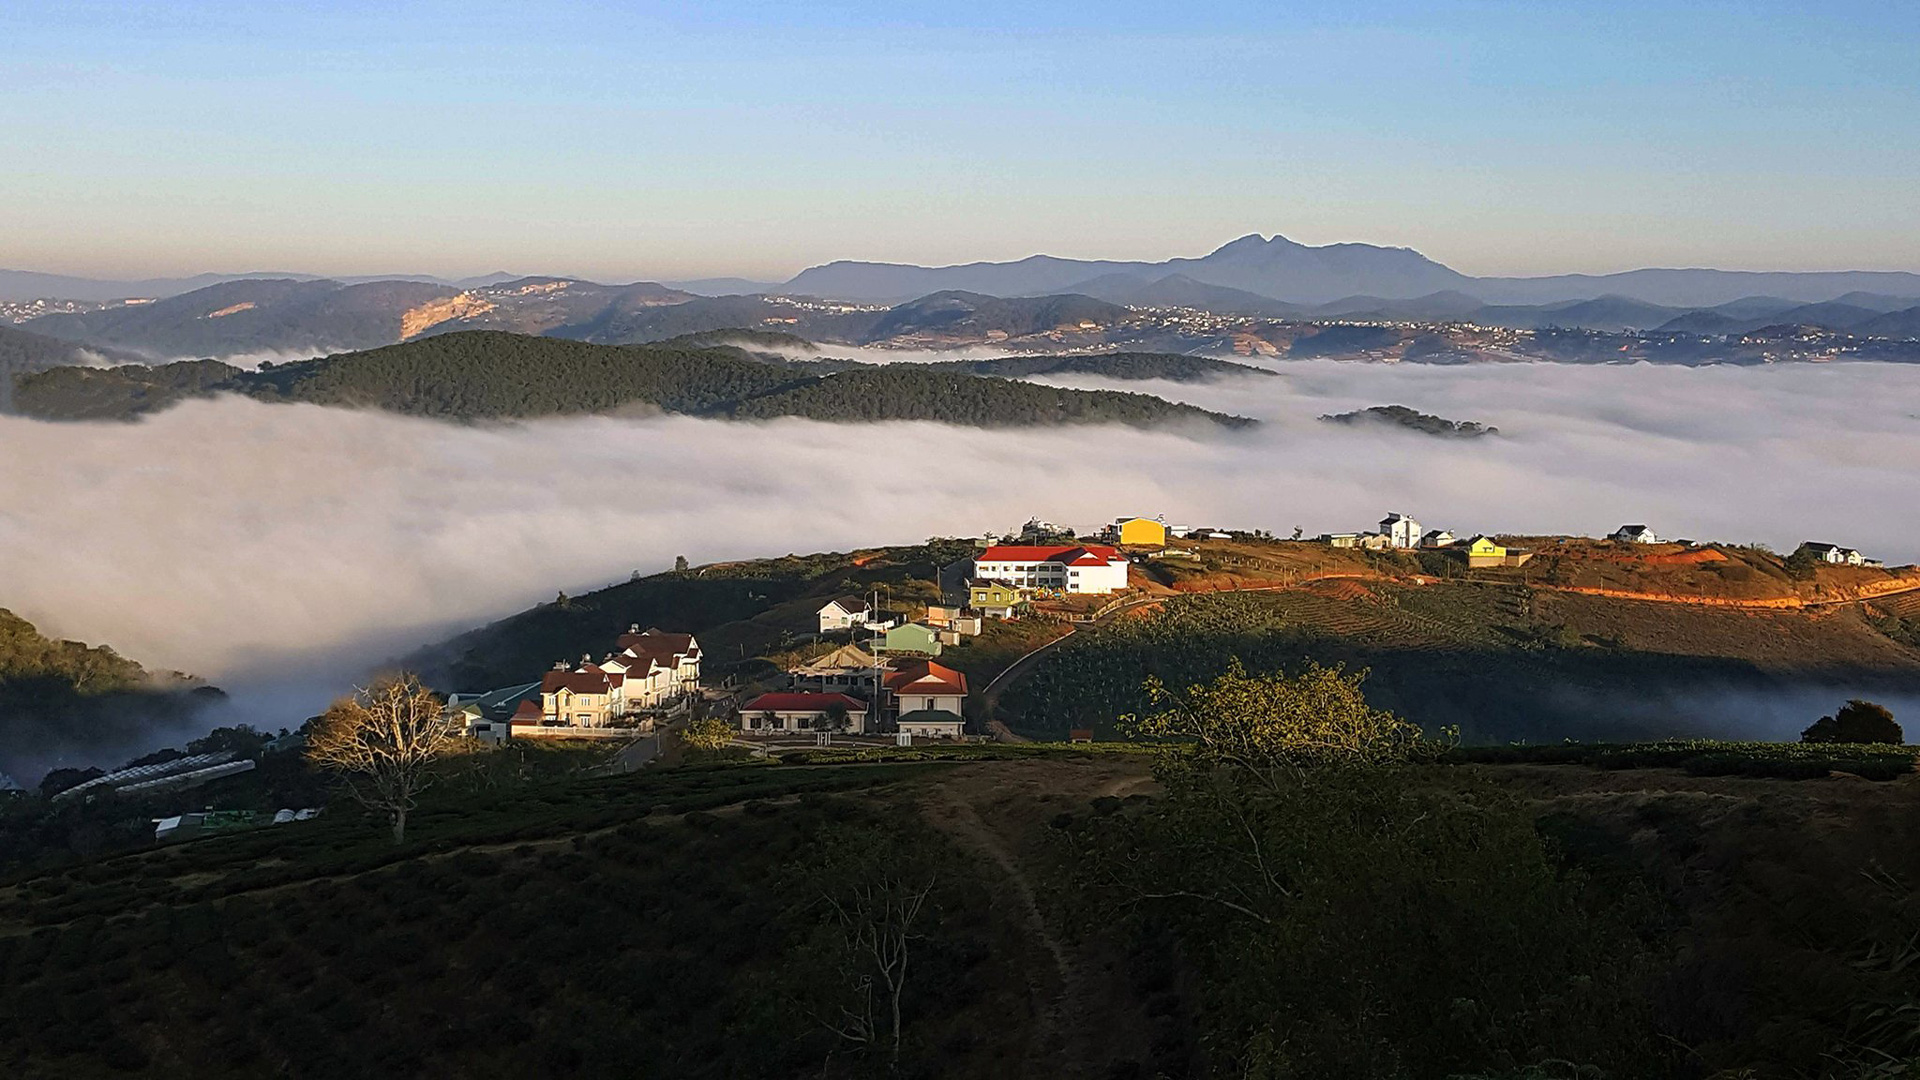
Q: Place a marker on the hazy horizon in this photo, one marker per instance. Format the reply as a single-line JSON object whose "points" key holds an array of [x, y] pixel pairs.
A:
{"points": [[782, 277]]}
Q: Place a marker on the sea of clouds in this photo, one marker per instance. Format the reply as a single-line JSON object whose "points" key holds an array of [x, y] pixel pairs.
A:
{"points": [[284, 550]]}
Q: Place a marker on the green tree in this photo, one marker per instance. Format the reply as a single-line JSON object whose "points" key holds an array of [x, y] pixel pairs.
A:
{"points": [[833, 718], [1353, 909], [1262, 723], [242, 739], [1857, 722], [707, 733]]}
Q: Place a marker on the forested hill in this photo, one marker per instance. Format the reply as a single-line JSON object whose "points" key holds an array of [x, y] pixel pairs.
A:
{"points": [[491, 374], [63, 701], [22, 351], [907, 392], [1174, 367]]}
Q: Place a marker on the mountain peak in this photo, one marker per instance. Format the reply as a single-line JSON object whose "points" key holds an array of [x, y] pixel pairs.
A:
{"points": [[1253, 243]]}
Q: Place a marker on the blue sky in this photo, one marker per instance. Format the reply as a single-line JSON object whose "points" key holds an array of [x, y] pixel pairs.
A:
{"points": [[665, 141]]}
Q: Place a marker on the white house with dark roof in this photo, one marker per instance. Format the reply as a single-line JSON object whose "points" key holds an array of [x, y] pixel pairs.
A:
{"points": [[844, 613], [1834, 553], [1634, 534]]}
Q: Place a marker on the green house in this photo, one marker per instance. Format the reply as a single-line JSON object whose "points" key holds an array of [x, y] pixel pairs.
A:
{"points": [[913, 638]]}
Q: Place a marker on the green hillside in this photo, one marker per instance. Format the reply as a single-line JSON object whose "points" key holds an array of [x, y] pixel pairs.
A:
{"points": [[474, 375], [483, 374], [1434, 922], [908, 392], [63, 702], [1414, 420], [118, 393], [1174, 367]]}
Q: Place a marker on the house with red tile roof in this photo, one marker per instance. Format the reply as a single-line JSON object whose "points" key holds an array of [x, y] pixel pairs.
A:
{"points": [[929, 700], [788, 711], [1064, 568], [922, 685]]}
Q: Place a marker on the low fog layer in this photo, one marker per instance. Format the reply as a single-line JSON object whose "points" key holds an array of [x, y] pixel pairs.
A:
{"points": [[289, 547]]}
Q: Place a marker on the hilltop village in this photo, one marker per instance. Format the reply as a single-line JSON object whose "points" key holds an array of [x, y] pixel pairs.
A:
{"points": [[877, 668]]}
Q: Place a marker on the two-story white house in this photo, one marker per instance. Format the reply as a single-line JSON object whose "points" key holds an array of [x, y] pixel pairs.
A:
{"points": [[1400, 530], [1084, 568], [929, 699], [1634, 534]]}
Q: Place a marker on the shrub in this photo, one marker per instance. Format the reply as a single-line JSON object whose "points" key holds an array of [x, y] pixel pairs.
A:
{"points": [[1857, 722]]}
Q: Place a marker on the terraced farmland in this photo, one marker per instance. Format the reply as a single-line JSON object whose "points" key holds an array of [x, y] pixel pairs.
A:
{"points": [[1501, 662]]}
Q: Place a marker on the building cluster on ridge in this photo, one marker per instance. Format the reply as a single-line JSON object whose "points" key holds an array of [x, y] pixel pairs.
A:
{"points": [[885, 678]]}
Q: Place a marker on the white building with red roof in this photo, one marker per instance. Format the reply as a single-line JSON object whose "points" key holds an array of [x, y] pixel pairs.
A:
{"points": [[1066, 568], [922, 685], [802, 711]]}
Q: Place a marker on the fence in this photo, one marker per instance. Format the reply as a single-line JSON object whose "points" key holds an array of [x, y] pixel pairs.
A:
{"points": [[555, 731]]}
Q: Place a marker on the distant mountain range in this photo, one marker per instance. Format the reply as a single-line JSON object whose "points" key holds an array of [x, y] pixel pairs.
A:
{"points": [[1041, 304], [31, 285], [290, 316], [282, 318], [1256, 270], [1279, 269]]}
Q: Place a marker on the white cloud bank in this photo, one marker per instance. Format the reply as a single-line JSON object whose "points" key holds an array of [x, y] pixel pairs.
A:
{"points": [[295, 545]]}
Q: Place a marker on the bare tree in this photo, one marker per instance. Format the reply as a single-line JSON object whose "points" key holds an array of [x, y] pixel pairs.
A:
{"points": [[875, 888], [876, 918], [382, 743]]}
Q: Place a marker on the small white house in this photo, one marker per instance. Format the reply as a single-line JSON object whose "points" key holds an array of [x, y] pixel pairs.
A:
{"points": [[1438, 538], [1401, 531], [1834, 553], [843, 613], [1634, 534]]}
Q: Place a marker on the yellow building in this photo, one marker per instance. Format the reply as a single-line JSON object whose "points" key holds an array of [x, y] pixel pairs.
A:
{"points": [[1139, 532], [1483, 552]]}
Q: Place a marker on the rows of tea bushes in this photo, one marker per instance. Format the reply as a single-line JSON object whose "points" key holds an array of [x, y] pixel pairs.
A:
{"points": [[1711, 757]]}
